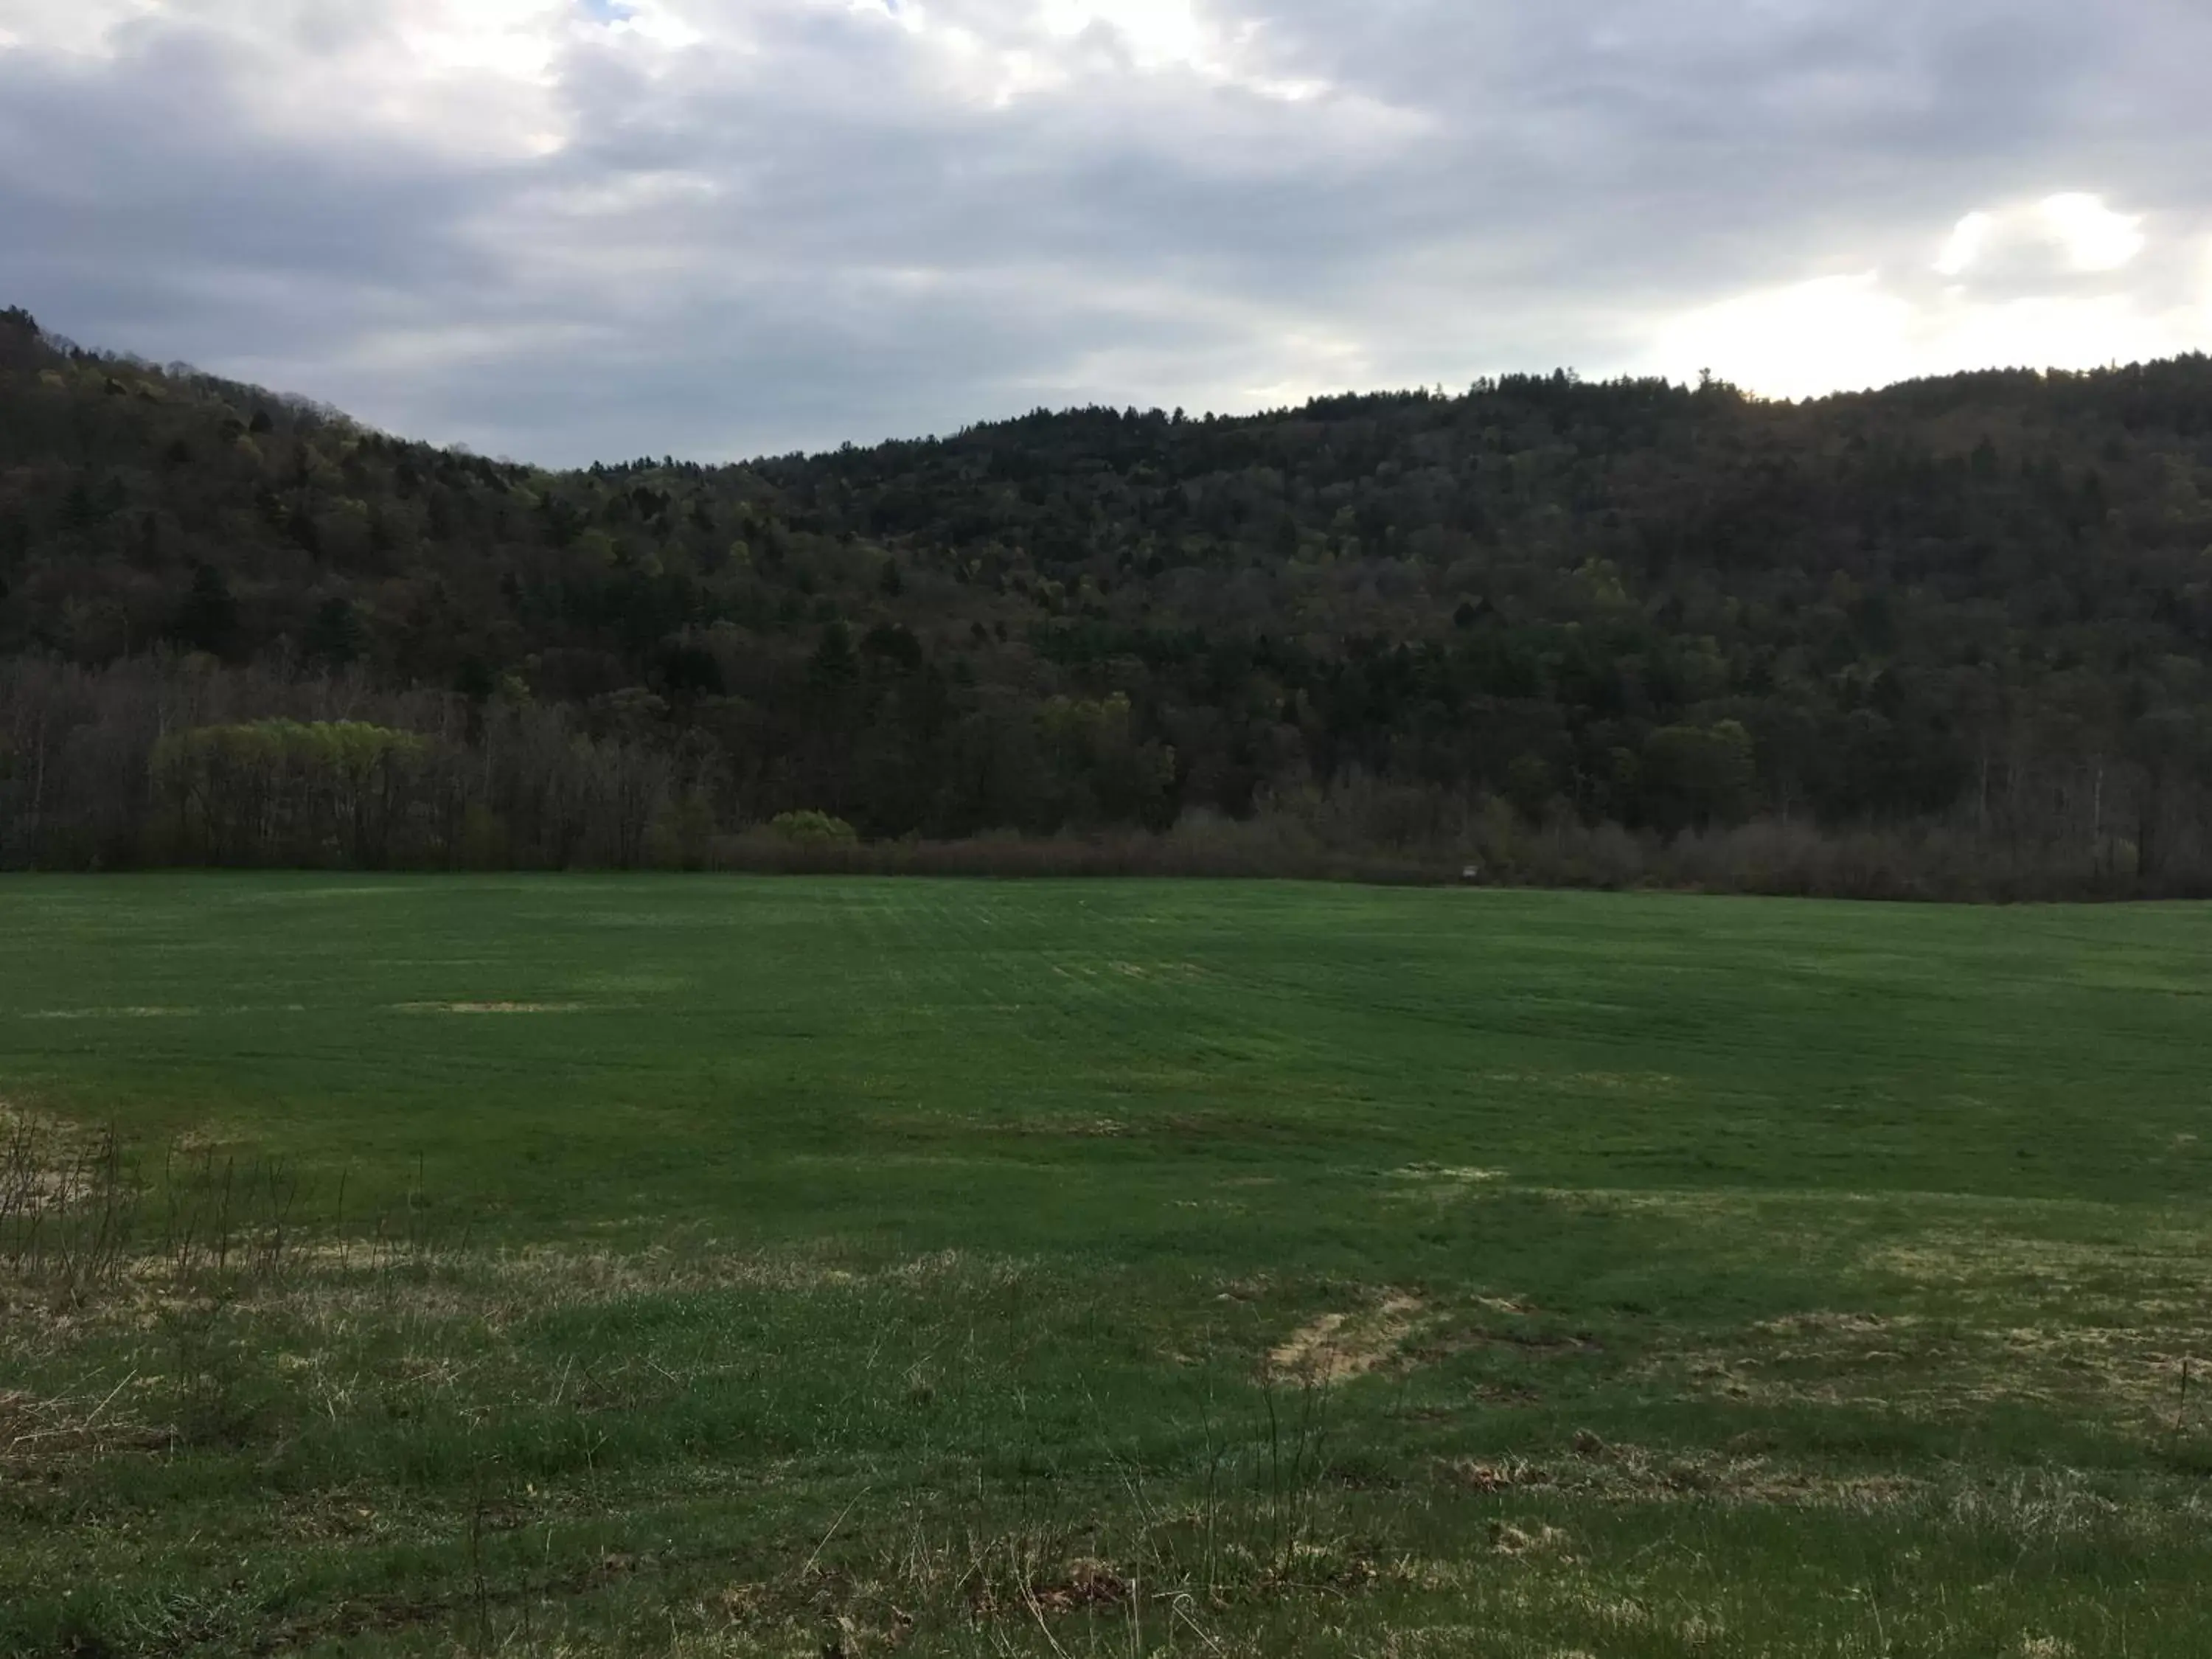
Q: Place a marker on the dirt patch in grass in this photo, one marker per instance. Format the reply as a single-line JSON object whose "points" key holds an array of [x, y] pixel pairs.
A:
{"points": [[146, 1012], [1447, 1177], [1338, 1347], [1535, 1538], [1085, 1128], [490, 1007]]}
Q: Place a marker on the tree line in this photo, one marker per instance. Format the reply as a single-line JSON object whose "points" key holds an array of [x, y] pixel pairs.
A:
{"points": [[1569, 631]]}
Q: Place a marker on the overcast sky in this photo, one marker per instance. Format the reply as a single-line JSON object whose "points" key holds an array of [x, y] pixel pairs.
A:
{"points": [[574, 229]]}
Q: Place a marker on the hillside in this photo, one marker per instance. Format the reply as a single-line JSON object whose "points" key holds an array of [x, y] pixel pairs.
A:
{"points": [[1951, 636]]}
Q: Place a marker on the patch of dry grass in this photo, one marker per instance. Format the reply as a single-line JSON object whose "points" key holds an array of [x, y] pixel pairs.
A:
{"points": [[490, 1007], [43, 1435], [1627, 1473], [1338, 1347]]}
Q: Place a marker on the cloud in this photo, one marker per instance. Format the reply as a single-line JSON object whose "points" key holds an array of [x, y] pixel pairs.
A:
{"points": [[572, 229], [2073, 233]]}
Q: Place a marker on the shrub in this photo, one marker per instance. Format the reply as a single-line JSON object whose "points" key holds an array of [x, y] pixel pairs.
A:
{"points": [[813, 830]]}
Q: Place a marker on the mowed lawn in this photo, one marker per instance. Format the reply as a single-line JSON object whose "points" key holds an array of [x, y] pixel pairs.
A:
{"points": [[723, 1265]]}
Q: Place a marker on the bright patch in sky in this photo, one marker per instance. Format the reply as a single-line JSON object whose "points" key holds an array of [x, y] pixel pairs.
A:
{"points": [[1794, 341], [2094, 237], [660, 24], [72, 25], [1967, 240], [1858, 331], [513, 37], [1158, 32], [2088, 236]]}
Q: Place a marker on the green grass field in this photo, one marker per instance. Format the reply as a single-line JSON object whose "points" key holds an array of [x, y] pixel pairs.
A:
{"points": [[573, 1266]]}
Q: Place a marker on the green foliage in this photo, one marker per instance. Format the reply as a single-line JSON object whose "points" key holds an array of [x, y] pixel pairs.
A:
{"points": [[286, 792], [336, 635], [1530, 785], [208, 619], [1979, 603], [811, 829], [349, 750], [1695, 776]]}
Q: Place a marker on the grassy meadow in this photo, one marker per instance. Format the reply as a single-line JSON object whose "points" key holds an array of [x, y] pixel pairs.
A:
{"points": [[571, 1266]]}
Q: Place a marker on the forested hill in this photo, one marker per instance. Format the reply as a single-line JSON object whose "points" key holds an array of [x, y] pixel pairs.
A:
{"points": [[1569, 624]]}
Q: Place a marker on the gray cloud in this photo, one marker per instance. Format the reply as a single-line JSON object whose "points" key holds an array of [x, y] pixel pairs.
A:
{"points": [[809, 222]]}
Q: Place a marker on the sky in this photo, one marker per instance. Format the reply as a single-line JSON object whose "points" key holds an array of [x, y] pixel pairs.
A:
{"points": [[567, 230]]}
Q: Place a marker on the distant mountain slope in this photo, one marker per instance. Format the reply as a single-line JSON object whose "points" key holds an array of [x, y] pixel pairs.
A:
{"points": [[1982, 603]]}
